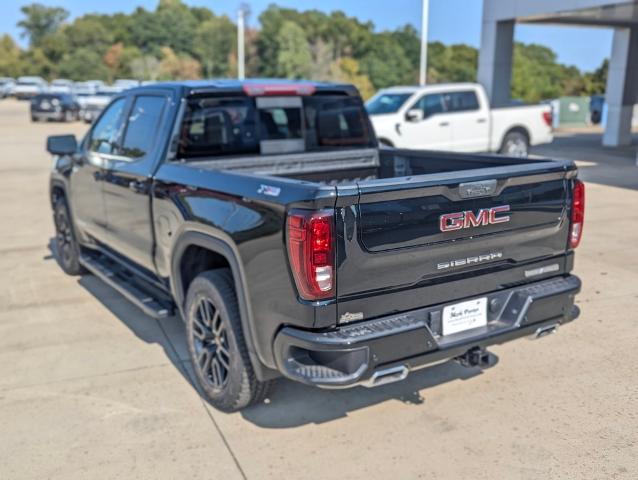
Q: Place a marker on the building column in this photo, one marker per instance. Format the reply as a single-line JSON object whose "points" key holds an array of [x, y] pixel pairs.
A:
{"points": [[620, 93], [495, 60]]}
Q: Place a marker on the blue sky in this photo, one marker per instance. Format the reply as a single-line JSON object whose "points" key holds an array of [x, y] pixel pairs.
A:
{"points": [[451, 21]]}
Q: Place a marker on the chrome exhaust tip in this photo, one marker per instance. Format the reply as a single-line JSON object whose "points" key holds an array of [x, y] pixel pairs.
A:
{"points": [[387, 375], [545, 331]]}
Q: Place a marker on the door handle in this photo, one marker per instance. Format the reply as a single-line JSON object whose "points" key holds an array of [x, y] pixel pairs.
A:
{"points": [[444, 124], [137, 186], [481, 120]]}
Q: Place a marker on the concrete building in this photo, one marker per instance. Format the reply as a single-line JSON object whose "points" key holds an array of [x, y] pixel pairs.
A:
{"points": [[497, 39]]}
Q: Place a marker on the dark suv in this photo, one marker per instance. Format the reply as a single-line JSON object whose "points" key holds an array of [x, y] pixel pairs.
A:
{"points": [[54, 106]]}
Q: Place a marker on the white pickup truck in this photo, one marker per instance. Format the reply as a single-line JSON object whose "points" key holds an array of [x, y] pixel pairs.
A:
{"points": [[456, 117]]}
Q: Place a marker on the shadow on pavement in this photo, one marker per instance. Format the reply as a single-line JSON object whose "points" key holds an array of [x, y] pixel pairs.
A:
{"points": [[293, 404], [290, 404], [612, 166]]}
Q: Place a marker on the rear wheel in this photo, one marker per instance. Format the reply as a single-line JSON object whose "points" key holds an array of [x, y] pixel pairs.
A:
{"points": [[515, 144], [66, 246], [216, 344]]}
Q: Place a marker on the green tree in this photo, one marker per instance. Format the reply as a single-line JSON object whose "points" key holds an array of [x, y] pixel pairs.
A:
{"points": [[387, 64], [35, 62], [88, 32], [293, 58], [172, 25], [596, 81], [82, 64], [10, 62], [347, 70], [215, 42], [452, 63], [536, 74], [40, 21]]}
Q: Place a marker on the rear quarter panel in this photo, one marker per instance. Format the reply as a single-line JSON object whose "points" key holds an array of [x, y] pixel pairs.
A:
{"points": [[529, 117], [234, 208]]}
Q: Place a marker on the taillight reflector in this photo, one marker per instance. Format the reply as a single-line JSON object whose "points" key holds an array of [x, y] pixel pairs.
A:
{"points": [[578, 213], [548, 117], [311, 252]]}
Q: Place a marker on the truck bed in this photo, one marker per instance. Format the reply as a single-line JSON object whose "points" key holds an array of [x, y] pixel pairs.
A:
{"points": [[354, 166]]}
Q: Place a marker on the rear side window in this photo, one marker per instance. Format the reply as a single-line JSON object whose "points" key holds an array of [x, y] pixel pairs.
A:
{"points": [[108, 128], [143, 122], [461, 101], [222, 126]]}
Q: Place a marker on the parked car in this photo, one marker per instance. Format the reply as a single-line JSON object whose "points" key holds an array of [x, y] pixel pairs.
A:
{"points": [[7, 86], [457, 118], [124, 83], [28, 87], [264, 213], [60, 85], [596, 105], [54, 106], [92, 105]]}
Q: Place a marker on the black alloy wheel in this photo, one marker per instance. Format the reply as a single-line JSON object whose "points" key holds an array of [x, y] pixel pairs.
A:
{"points": [[210, 340], [68, 250]]}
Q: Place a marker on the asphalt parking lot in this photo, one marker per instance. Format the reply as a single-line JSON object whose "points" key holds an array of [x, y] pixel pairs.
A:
{"points": [[92, 388]]}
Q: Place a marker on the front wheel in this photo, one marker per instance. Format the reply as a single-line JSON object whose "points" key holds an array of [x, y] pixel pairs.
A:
{"points": [[216, 344], [66, 246], [515, 144]]}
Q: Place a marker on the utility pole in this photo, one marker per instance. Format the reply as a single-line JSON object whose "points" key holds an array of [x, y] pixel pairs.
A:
{"points": [[424, 42], [240, 44]]}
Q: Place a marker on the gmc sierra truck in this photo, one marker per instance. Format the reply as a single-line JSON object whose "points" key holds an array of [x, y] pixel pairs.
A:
{"points": [[265, 214]]}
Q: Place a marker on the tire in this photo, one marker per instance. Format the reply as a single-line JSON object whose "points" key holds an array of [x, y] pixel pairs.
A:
{"points": [[515, 144], [216, 344], [66, 246], [34, 118]]}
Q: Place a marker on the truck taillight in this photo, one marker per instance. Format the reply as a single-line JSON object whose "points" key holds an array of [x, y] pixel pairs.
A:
{"points": [[578, 213], [548, 117], [311, 251]]}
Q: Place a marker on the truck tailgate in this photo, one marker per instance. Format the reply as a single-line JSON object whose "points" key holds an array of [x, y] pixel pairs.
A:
{"points": [[405, 243]]}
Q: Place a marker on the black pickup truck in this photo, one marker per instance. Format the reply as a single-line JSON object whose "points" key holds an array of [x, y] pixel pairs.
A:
{"points": [[267, 216]]}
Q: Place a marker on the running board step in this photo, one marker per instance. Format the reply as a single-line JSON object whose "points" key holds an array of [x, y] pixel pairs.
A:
{"points": [[110, 274]]}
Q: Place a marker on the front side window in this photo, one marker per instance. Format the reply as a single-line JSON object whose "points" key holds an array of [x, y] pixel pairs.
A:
{"points": [[431, 104], [142, 125], [108, 128]]}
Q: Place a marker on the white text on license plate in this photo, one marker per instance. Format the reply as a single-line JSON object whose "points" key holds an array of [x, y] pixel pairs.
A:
{"points": [[464, 316]]}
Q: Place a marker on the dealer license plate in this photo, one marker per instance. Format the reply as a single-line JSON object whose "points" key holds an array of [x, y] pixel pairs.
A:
{"points": [[465, 316]]}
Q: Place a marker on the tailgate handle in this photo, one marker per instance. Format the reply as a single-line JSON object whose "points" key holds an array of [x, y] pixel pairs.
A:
{"points": [[484, 188]]}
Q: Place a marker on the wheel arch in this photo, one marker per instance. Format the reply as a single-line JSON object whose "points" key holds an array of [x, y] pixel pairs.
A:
{"points": [[223, 254], [516, 129]]}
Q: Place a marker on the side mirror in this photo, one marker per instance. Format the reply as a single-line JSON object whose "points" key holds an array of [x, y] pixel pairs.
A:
{"points": [[414, 115], [62, 144]]}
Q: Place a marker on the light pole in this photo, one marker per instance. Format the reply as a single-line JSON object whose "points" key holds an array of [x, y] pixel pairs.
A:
{"points": [[240, 44], [424, 42]]}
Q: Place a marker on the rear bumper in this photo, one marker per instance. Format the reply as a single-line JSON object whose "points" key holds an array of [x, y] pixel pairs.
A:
{"points": [[48, 115], [357, 353]]}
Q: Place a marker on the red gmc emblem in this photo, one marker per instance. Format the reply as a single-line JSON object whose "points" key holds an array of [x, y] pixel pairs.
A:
{"points": [[486, 216]]}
